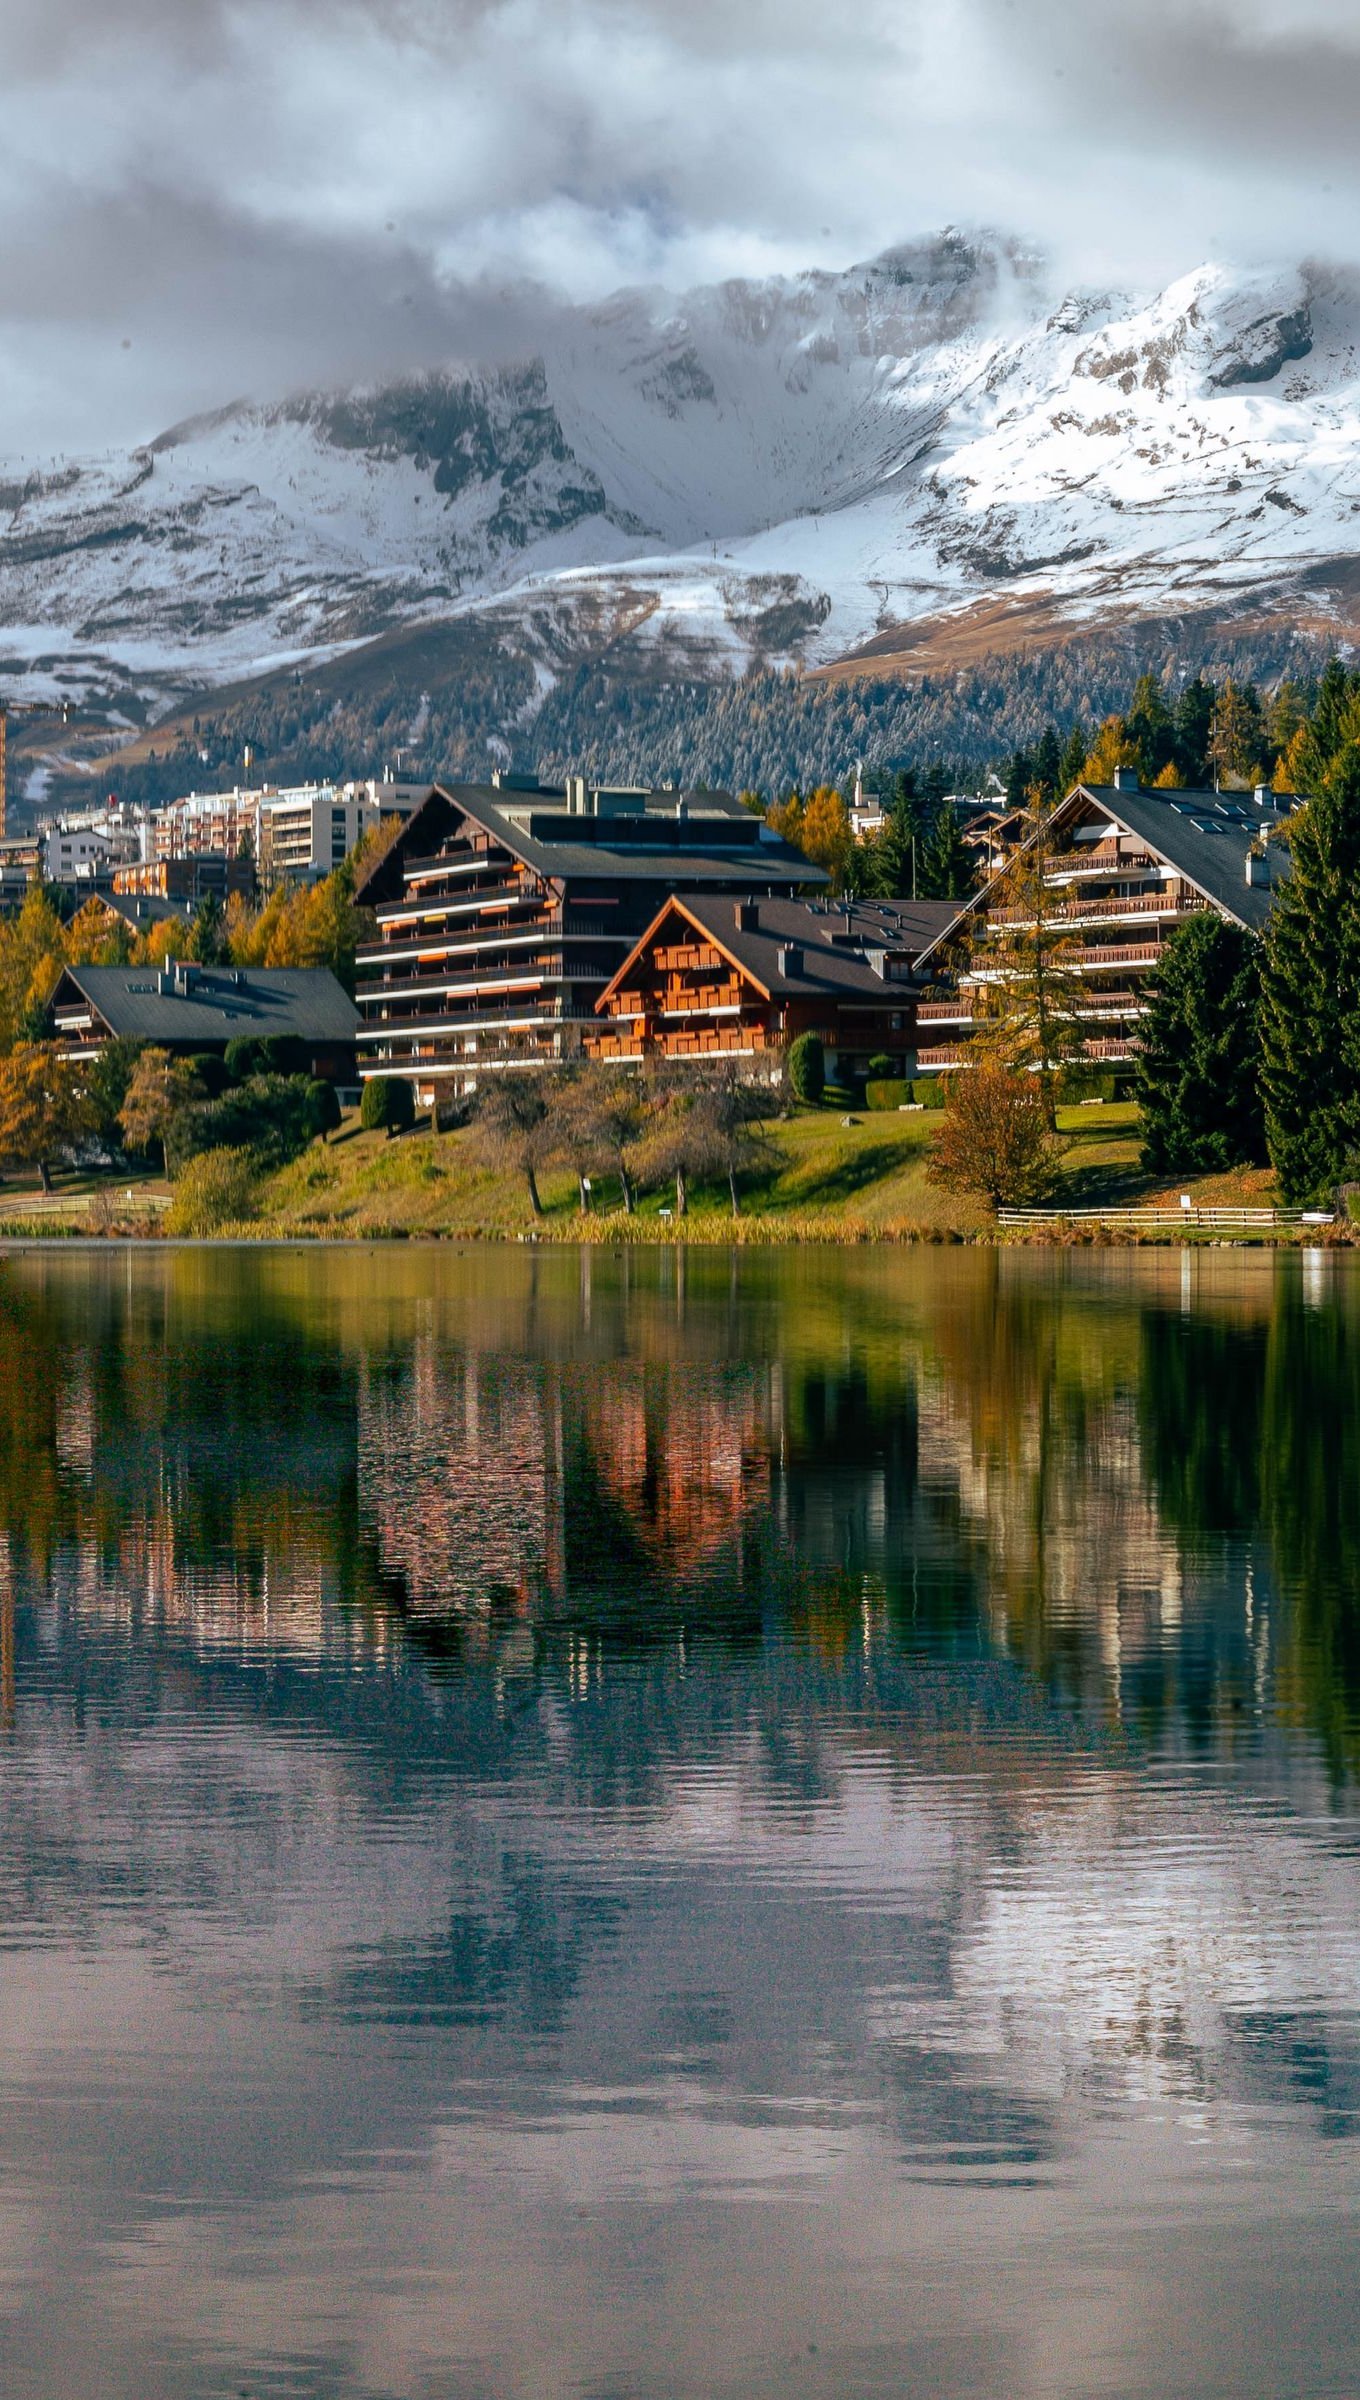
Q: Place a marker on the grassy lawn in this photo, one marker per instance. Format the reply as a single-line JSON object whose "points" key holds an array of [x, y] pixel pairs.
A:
{"points": [[821, 1178]]}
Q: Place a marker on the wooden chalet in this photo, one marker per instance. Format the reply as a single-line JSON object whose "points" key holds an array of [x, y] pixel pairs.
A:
{"points": [[718, 977], [1127, 867]]}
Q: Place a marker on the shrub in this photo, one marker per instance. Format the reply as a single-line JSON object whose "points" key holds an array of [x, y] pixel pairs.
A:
{"points": [[996, 1140], [211, 1069], [931, 1090], [881, 1067], [323, 1109], [388, 1103], [286, 1054], [244, 1057], [266, 1114], [891, 1091], [217, 1188], [807, 1068]]}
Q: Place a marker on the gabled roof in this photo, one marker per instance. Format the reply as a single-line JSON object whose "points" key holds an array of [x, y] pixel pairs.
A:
{"points": [[1205, 836], [220, 1003], [681, 838], [831, 939]]}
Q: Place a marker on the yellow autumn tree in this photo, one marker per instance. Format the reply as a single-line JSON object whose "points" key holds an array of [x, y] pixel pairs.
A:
{"points": [[32, 955], [1114, 746], [44, 1107]]}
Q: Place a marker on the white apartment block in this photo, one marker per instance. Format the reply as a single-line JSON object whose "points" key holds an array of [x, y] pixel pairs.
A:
{"points": [[296, 833]]}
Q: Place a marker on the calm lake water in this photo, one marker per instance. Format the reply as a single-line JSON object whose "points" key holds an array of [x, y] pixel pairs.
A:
{"points": [[649, 1827]]}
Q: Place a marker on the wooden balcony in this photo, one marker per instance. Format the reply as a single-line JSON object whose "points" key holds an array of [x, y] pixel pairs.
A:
{"points": [[1113, 910]]}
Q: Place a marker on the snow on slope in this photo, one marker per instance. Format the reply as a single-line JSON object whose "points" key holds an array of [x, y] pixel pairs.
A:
{"points": [[782, 469]]}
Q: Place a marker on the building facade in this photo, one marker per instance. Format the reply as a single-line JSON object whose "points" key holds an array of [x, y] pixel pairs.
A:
{"points": [[504, 910], [1124, 867], [737, 979]]}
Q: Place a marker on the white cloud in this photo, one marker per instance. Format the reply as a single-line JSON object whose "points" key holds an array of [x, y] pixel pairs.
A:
{"points": [[253, 195]]}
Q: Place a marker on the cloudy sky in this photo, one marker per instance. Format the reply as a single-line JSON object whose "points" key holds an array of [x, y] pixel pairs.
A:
{"points": [[209, 197]]}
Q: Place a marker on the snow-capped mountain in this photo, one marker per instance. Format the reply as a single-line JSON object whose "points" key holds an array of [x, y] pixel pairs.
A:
{"points": [[800, 469]]}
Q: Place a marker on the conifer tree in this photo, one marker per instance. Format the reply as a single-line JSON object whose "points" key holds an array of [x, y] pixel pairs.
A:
{"points": [[1310, 995], [1073, 764], [1199, 1052], [1193, 717], [1031, 991]]}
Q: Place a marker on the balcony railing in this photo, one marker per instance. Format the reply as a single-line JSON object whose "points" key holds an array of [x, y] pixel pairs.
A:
{"points": [[1167, 903]]}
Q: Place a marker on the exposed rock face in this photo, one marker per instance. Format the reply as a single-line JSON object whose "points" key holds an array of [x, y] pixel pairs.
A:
{"points": [[774, 470]]}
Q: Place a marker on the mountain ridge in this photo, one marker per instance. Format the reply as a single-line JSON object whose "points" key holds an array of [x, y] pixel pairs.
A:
{"points": [[829, 473]]}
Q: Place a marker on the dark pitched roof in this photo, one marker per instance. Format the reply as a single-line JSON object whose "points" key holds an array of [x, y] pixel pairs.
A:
{"points": [[221, 1003], [140, 909], [834, 940], [1205, 836], [679, 838]]}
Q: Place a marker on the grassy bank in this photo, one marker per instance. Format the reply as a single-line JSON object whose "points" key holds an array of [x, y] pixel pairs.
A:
{"points": [[824, 1180]]}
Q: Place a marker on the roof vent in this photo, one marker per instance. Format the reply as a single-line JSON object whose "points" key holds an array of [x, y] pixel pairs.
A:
{"points": [[747, 916], [1126, 779], [790, 959]]}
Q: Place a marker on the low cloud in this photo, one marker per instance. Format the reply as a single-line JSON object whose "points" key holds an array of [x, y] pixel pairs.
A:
{"points": [[203, 197]]}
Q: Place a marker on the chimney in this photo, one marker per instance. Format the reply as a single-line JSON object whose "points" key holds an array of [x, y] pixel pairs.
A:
{"points": [[1264, 796], [790, 959], [1258, 868], [747, 915], [1126, 779]]}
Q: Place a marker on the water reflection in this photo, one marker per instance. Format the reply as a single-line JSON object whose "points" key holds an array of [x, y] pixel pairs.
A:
{"points": [[657, 1825]]}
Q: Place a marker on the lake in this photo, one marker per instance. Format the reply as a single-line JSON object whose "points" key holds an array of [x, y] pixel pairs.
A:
{"points": [[661, 1825]]}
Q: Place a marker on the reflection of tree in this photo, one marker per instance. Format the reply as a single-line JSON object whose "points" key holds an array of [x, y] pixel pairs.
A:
{"points": [[566, 1459], [1199, 1399], [1310, 1478]]}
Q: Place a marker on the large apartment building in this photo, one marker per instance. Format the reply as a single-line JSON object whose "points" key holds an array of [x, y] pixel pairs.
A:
{"points": [[1125, 867], [504, 909]]}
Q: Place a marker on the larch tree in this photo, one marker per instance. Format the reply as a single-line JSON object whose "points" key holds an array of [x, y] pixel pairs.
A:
{"points": [[1028, 981], [995, 1138], [160, 1088]]}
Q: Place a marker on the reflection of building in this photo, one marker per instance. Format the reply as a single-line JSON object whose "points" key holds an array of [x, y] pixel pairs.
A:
{"points": [[460, 1478]]}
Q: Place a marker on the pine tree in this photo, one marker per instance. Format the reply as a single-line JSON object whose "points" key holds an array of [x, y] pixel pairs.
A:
{"points": [[1310, 993], [1199, 1052], [1149, 726]]}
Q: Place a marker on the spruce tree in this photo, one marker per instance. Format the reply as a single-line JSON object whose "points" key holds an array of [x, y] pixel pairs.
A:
{"points": [[1194, 714], [1073, 765], [1310, 993], [1199, 1053]]}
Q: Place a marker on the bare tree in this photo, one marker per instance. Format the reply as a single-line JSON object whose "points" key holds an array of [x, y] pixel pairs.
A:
{"points": [[706, 1126], [600, 1115], [515, 1112]]}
